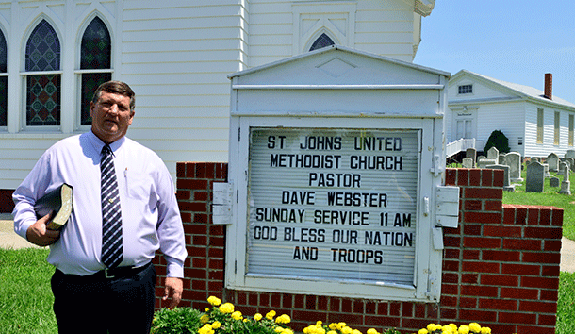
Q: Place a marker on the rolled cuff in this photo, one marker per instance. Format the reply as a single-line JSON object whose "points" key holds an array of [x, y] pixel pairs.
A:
{"points": [[175, 267]]}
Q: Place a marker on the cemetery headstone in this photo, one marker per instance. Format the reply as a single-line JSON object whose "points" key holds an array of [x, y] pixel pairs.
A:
{"points": [[493, 153], [513, 160], [467, 163], [535, 177], [553, 162], [554, 182], [506, 180]]}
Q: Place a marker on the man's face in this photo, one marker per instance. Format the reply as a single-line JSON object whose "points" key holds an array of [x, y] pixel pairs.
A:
{"points": [[111, 116]]}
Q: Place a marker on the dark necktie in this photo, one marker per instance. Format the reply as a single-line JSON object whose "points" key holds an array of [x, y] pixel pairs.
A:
{"points": [[112, 244]]}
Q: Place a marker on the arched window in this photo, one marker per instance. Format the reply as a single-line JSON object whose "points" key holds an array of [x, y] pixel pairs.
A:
{"points": [[3, 80], [42, 54], [322, 41], [95, 54]]}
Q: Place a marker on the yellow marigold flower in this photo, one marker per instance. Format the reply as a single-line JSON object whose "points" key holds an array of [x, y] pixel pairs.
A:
{"points": [[332, 332], [246, 320], [283, 319], [227, 308], [258, 317], [422, 331], [204, 319], [346, 330], [287, 331], [475, 327], [271, 314], [463, 329], [278, 329], [372, 331], [340, 325], [206, 329], [237, 315], [485, 330], [216, 325], [214, 301], [355, 331], [332, 326]]}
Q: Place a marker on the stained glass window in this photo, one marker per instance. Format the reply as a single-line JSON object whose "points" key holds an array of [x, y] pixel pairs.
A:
{"points": [[95, 53], [42, 54], [322, 41], [3, 80]]}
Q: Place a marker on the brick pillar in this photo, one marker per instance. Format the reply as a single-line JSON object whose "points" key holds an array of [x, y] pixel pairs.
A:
{"points": [[500, 266]]}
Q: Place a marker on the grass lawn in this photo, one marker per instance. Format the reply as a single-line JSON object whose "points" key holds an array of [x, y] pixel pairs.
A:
{"points": [[25, 295], [26, 298]]}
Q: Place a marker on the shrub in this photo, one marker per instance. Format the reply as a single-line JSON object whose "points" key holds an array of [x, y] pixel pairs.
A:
{"points": [[497, 139]]}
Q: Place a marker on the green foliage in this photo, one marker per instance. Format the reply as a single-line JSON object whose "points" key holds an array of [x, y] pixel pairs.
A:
{"points": [[26, 299], [566, 304], [177, 321], [497, 139]]}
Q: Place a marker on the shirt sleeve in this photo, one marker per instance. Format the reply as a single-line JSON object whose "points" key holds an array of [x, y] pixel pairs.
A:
{"points": [[25, 196], [170, 226]]}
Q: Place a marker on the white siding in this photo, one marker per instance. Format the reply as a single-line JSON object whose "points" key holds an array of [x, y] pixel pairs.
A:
{"points": [[176, 55], [534, 149], [507, 117]]}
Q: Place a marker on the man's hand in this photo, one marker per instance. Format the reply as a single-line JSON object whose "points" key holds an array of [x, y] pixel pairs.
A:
{"points": [[174, 288], [38, 233]]}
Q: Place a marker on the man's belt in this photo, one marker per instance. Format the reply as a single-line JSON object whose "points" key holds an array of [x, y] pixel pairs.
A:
{"points": [[121, 271]]}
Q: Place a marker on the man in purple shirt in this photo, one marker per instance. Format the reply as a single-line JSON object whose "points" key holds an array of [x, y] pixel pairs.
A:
{"points": [[90, 296]]}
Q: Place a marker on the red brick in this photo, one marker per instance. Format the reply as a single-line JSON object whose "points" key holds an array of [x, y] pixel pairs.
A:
{"points": [[472, 229], [502, 231], [471, 254], [475, 177], [487, 193], [497, 178], [467, 302], [535, 306], [180, 169], [498, 304], [482, 267], [487, 177], [521, 244], [519, 293], [533, 216], [473, 204], [551, 270], [545, 216], [540, 282], [479, 316], [552, 245], [547, 320], [483, 217], [550, 295], [557, 216], [543, 232], [500, 280], [520, 269], [484, 291], [509, 215], [517, 318], [492, 205], [521, 329], [503, 256], [541, 257], [470, 278], [462, 177], [450, 265], [479, 242], [450, 176]]}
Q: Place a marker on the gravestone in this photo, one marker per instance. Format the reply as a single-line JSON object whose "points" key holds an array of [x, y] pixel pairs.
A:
{"points": [[471, 153], [467, 163], [570, 163], [513, 160], [554, 182], [570, 154], [547, 174], [562, 167], [493, 153], [535, 177], [483, 162], [566, 184], [506, 180], [553, 162]]}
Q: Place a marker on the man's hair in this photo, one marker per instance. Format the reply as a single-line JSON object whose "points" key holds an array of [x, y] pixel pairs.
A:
{"points": [[118, 87]]}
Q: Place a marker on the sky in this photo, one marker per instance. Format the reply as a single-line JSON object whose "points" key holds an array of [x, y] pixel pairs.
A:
{"points": [[517, 41]]}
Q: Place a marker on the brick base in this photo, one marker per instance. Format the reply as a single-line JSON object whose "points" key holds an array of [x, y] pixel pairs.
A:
{"points": [[500, 267]]}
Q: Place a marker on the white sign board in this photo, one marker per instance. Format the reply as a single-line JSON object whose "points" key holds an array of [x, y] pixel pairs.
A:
{"points": [[333, 204]]}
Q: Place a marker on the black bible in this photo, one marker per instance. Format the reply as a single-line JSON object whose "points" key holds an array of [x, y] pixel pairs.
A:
{"points": [[59, 203]]}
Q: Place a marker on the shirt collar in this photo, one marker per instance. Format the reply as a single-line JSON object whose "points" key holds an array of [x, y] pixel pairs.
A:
{"points": [[98, 144]]}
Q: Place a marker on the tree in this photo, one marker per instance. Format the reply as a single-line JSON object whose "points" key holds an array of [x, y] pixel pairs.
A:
{"points": [[497, 139]]}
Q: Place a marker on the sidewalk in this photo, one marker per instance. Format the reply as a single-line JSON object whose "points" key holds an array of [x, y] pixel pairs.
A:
{"points": [[9, 239]]}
